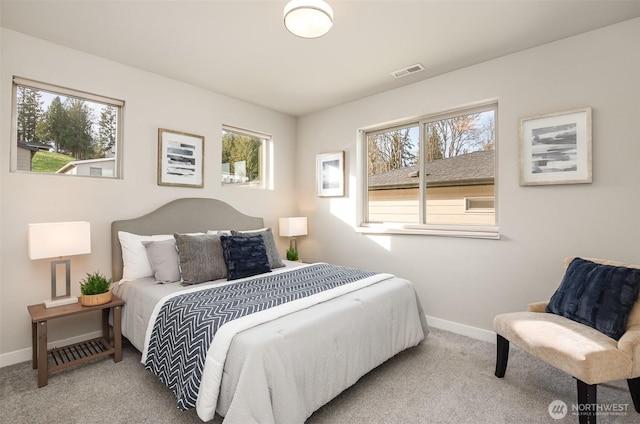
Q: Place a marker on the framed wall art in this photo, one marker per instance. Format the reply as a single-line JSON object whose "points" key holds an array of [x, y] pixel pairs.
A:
{"points": [[180, 159], [330, 174], [556, 148]]}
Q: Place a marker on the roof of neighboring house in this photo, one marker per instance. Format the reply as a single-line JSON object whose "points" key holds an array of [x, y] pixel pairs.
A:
{"points": [[468, 169], [74, 163], [34, 146]]}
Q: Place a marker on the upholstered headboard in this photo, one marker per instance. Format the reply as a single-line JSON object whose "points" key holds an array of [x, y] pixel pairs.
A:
{"points": [[187, 215]]}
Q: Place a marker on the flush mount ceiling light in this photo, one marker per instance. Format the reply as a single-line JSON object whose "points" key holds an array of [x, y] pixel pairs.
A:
{"points": [[308, 18]]}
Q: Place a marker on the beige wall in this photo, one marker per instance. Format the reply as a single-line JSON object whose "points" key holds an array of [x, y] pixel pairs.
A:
{"points": [[469, 281], [152, 102]]}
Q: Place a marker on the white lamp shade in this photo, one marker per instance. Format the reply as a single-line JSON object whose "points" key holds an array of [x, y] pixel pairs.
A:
{"points": [[51, 240], [292, 227], [308, 18]]}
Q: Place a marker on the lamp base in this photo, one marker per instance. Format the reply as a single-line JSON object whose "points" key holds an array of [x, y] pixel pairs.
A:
{"points": [[52, 303]]}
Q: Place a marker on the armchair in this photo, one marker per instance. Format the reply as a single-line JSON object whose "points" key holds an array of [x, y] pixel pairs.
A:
{"points": [[582, 351]]}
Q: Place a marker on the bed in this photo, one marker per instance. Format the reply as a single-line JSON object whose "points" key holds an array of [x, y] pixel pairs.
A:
{"points": [[276, 365]]}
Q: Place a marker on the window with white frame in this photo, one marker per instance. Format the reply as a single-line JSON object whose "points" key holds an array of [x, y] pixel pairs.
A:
{"points": [[244, 155], [59, 130], [433, 174]]}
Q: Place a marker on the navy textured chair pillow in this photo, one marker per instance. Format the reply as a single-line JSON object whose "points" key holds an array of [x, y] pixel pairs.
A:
{"points": [[597, 295], [244, 256]]}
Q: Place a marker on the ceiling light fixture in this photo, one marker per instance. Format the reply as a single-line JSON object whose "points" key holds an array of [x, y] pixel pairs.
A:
{"points": [[308, 18]]}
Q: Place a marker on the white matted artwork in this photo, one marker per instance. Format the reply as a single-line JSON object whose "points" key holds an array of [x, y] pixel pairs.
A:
{"points": [[180, 159], [330, 174], [556, 148]]}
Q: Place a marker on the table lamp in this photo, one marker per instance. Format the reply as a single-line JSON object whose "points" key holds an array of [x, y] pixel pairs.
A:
{"points": [[293, 227], [55, 240]]}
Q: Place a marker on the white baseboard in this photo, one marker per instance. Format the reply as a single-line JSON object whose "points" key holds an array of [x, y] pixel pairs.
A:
{"points": [[22, 355], [465, 330], [17, 356]]}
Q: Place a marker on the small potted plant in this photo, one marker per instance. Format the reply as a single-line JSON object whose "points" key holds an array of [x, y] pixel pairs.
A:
{"points": [[95, 290], [292, 254]]}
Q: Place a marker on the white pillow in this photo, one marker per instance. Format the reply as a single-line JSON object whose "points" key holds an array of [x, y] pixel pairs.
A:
{"points": [[219, 232], [135, 260]]}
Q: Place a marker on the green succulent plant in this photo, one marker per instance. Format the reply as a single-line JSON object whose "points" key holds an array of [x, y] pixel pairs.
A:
{"points": [[95, 284], [292, 254]]}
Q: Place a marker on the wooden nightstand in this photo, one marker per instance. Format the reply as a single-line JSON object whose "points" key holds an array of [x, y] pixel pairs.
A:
{"points": [[48, 361]]}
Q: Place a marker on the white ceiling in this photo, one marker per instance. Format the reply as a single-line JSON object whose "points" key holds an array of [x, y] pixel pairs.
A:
{"points": [[241, 48]]}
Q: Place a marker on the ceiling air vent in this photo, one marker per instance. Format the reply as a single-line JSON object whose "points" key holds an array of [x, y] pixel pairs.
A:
{"points": [[408, 70]]}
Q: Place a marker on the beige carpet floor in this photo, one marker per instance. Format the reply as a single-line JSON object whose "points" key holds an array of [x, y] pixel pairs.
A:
{"points": [[447, 379]]}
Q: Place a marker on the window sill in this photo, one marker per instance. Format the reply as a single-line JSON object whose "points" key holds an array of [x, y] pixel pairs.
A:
{"points": [[479, 232]]}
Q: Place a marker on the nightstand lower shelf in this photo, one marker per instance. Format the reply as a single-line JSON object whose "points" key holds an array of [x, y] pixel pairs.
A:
{"points": [[62, 357]]}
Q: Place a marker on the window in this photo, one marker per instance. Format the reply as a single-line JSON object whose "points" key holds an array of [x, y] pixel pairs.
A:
{"points": [[64, 131], [243, 157], [435, 174]]}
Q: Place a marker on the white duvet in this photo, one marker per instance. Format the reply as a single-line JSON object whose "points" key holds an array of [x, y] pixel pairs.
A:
{"points": [[281, 364]]}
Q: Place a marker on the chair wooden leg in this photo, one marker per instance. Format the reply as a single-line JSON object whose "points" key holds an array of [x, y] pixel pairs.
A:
{"points": [[587, 394], [502, 356], [634, 389]]}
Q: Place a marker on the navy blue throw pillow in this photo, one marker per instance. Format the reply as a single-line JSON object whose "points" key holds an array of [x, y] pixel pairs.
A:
{"points": [[600, 296], [244, 256]]}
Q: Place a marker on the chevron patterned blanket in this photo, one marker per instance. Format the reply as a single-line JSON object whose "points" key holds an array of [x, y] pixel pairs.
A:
{"points": [[181, 335]]}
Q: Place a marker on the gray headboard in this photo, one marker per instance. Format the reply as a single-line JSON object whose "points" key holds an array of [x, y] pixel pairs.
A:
{"points": [[187, 215]]}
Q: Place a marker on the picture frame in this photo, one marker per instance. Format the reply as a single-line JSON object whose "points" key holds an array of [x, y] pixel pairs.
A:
{"points": [[180, 159], [330, 174], [556, 148]]}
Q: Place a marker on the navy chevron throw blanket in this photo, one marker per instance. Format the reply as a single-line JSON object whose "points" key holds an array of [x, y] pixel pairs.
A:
{"points": [[186, 324]]}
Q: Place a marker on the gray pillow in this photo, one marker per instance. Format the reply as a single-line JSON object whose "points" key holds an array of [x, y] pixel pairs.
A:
{"points": [[275, 261], [201, 258], [163, 259]]}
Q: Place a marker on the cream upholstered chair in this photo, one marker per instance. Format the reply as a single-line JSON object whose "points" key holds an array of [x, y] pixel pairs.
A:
{"points": [[581, 351]]}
